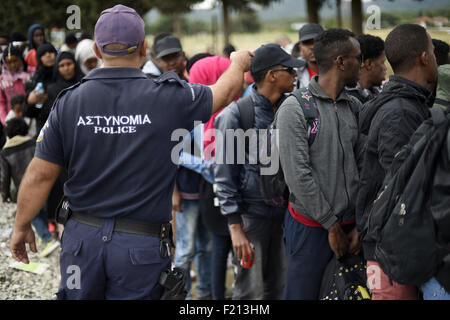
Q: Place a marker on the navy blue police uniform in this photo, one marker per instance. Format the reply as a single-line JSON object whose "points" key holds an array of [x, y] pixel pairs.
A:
{"points": [[113, 132]]}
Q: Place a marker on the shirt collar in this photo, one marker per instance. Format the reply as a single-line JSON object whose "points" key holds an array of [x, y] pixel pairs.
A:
{"points": [[114, 73], [317, 90], [413, 84]]}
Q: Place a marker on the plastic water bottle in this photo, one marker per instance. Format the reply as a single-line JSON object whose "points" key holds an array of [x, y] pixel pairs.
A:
{"points": [[39, 90]]}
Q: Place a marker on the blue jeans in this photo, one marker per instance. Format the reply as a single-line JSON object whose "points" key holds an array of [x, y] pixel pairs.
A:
{"points": [[193, 240], [40, 223], [432, 290], [221, 247]]}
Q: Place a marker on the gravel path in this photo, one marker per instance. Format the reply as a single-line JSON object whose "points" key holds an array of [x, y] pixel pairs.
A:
{"points": [[23, 285]]}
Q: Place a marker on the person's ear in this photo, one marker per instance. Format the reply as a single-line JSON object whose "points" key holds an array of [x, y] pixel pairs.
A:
{"points": [[367, 64], [339, 61], [143, 49], [270, 76], [97, 51]]}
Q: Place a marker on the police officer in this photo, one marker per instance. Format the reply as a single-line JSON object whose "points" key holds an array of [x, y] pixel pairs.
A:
{"points": [[112, 132]]}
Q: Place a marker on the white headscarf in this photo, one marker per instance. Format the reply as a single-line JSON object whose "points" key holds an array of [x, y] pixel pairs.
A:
{"points": [[84, 52]]}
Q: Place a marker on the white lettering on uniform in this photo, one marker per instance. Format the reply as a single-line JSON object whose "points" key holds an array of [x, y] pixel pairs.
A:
{"points": [[81, 121], [114, 124]]}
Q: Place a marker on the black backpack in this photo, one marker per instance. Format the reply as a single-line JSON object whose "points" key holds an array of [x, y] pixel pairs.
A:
{"points": [[273, 186], [401, 221], [345, 279]]}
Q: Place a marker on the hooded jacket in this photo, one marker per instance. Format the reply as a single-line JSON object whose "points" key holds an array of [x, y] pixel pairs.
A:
{"points": [[322, 178], [389, 122], [31, 58]]}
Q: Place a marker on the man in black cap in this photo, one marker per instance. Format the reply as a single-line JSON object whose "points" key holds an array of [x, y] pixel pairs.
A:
{"points": [[169, 50], [307, 33], [255, 226]]}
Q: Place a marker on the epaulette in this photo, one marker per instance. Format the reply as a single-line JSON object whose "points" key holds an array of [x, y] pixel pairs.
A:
{"points": [[171, 76], [64, 91]]}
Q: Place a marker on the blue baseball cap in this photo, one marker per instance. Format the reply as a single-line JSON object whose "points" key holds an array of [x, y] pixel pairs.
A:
{"points": [[119, 24]]}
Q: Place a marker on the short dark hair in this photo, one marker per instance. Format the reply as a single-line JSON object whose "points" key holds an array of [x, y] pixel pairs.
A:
{"points": [[260, 75], [16, 127], [296, 50], [441, 50], [195, 58], [329, 44], [18, 36], [405, 43], [228, 49], [18, 99], [71, 38], [371, 47]]}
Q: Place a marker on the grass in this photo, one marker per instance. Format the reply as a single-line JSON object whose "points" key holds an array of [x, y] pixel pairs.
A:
{"points": [[205, 42]]}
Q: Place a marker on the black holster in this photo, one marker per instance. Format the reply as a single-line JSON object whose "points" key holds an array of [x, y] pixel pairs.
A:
{"points": [[63, 211]]}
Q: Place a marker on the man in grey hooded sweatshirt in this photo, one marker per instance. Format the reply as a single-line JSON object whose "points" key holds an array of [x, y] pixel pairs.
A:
{"points": [[322, 178]]}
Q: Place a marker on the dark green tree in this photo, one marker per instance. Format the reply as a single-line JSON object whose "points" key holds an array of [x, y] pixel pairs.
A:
{"points": [[174, 8], [19, 15], [237, 5]]}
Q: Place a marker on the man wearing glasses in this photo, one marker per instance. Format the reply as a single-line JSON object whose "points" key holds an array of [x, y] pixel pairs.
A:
{"points": [[322, 177], [255, 227]]}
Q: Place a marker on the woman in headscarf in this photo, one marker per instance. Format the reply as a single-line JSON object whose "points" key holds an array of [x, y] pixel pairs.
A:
{"points": [[12, 79], [85, 56], [46, 56], [65, 74], [36, 37]]}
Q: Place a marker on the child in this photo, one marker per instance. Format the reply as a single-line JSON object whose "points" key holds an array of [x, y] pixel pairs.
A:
{"points": [[14, 159], [12, 79], [16, 111], [17, 108]]}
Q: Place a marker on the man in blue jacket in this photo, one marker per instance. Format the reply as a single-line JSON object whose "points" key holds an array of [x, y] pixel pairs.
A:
{"points": [[255, 227]]}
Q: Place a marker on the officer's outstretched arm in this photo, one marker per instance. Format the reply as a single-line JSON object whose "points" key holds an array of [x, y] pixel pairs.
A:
{"points": [[230, 83], [33, 192]]}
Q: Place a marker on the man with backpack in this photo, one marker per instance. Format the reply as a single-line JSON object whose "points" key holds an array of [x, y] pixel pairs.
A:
{"points": [[255, 227], [389, 121], [322, 176]]}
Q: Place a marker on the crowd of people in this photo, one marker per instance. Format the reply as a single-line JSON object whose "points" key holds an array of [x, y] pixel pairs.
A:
{"points": [[218, 208]]}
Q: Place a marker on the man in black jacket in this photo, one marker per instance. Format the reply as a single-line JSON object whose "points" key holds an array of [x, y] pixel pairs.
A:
{"points": [[251, 220], [373, 68], [389, 121]]}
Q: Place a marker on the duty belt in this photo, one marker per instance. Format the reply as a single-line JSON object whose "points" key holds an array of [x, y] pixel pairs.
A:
{"points": [[158, 230]]}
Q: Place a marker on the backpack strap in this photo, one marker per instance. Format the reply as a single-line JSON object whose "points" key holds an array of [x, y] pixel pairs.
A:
{"points": [[438, 115], [247, 112], [310, 111]]}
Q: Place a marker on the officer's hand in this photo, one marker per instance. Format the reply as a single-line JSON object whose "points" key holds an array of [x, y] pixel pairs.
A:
{"points": [[241, 244], [242, 58], [355, 245], [19, 238], [338, 240]]}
